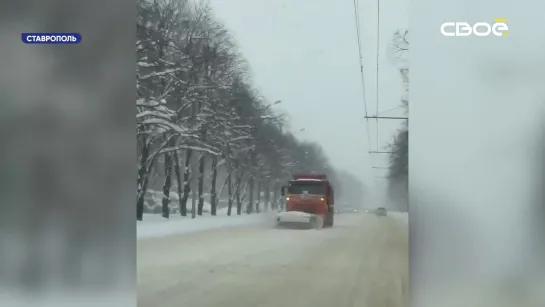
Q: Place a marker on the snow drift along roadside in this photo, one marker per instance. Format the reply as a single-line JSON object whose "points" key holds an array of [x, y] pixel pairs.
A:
{"points": [[154, 225]]}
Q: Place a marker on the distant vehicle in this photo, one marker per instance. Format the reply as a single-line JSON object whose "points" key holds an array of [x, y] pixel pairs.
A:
{"points": [[309, 199], [381, 212]]}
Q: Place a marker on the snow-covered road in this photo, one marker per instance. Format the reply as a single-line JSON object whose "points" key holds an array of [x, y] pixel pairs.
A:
{"points": [[362, 261]]}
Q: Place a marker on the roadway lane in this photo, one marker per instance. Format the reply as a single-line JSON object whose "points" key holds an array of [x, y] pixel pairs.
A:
{"points": [[362, 261]]}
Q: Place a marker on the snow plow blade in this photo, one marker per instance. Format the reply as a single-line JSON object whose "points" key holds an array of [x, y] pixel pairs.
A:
{"points": [[298, 220]]}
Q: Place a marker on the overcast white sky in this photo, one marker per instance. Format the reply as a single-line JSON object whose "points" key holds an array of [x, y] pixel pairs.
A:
{"points": [[305, 53], [475, 156]]}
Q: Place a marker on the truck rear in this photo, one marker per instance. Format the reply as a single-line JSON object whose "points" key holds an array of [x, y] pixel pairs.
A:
{"points": [[309, 201]]}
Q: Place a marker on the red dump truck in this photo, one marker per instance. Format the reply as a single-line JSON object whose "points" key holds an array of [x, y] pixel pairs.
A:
{"points": [[309, 201]]}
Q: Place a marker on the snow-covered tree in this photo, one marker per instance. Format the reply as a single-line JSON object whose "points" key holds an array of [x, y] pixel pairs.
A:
{"points": [[200, 120], [398, 176]]}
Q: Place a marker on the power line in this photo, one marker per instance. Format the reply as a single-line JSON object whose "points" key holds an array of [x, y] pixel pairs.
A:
{"points": [[360, 58], [377, 74], [377, 89], [362, 74], [389, 110]]}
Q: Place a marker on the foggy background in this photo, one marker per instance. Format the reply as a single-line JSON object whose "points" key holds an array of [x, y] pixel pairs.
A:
{"points": [[476, 155], [67, 229], [305, 53]]}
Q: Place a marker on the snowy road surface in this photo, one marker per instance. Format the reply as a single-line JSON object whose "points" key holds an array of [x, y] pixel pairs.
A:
{"points": [[362, 261]]}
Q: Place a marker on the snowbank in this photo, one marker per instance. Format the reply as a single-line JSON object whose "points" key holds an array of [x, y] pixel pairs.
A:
{"points": [[401, 216], [154, 225], [154, 200]]}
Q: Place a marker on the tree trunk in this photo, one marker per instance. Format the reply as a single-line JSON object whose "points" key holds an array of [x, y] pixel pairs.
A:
{"points": [[258, 201], [202, 160], [239, 202], [194, 185], [251, 198], [141, 181], [167, 185], [268, 195], [201, 184], [237, 193], [244, 193], [187, 186], [229, 191], [230, 170], [178, 174], [190, 162], [276, 203], [213, 196]]}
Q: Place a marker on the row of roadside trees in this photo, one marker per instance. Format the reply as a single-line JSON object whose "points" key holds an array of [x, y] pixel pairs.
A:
{"points": [[398, 175], [200, 122]]}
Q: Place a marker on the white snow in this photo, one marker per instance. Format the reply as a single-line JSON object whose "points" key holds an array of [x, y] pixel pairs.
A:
{"points": [[401, 216], [361, 261], [154, 225]]}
